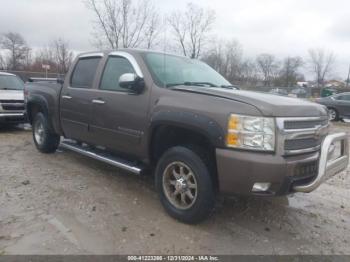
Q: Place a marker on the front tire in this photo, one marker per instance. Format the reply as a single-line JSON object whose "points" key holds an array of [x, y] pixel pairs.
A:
{"points": [[185, 185], [45, 141]]}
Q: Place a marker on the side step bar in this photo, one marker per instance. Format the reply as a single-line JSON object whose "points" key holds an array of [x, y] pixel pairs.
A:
{"points": [[101, 156]]}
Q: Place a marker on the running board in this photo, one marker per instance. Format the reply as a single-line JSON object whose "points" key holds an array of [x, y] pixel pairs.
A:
{"points": [[101, 156]]}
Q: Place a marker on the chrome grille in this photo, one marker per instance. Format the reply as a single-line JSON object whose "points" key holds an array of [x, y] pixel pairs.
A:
{"points": [[298, 144], [302, 134], [12, 105], [304, 124]]}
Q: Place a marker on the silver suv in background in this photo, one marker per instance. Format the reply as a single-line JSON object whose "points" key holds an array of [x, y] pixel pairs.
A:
{"points": [[12, 109]]}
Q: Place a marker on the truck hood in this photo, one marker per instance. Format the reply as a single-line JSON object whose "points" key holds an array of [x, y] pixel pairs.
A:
{"points": [[267, 104], [11, 95]]}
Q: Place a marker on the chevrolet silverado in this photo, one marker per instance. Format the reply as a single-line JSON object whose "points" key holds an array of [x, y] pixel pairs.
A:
{"points": [[180, 120]]}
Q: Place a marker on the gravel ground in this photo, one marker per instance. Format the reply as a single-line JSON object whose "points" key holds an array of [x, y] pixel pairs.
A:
{"points": [[65, 203]]}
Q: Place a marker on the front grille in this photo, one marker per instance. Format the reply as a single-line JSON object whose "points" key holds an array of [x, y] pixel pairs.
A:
{"points": [[298, 144], [12, 105], [302, 135], [288, 125], [304, 173], [306, 170], [11, 101]]}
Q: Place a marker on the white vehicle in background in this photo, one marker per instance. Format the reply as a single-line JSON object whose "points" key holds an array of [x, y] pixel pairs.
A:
{"points": [[12, 109]]}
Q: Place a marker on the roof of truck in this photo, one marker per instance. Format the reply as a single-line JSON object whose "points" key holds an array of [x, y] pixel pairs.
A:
{"points": [[6, 74]]}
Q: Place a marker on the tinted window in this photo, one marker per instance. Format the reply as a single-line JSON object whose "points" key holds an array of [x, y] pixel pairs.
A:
{"points": [[10, 83], [84, 72], [116, 66], [346, 97]]}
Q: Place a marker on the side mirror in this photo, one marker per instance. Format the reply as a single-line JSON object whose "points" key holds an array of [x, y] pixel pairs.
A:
{"points": [[132, 82]]}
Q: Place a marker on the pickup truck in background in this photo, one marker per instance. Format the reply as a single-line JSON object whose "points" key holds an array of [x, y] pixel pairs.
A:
{"points": [[12, 109], [181, 120]]}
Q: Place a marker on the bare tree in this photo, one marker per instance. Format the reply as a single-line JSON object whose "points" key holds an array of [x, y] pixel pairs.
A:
{"points": [[123, 23], [43, 56], [152, 30], [19, 52], [268, 66], [62, 55], [191, 28], [2, 62], [289, 73], [249, 72], [226, 58], [321, 63]]}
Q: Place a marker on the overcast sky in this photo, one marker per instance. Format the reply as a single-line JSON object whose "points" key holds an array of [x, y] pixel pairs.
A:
{"points": [[281, 27]]}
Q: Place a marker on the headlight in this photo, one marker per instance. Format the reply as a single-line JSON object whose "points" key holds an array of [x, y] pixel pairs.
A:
{"points": [[249, 132]]}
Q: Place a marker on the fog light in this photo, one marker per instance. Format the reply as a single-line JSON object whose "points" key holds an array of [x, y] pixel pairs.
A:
{"points": [[261, 187]]}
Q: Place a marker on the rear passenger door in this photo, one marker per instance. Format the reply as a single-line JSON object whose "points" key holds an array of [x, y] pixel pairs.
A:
{"points": [[76, 96], [119, 116]]}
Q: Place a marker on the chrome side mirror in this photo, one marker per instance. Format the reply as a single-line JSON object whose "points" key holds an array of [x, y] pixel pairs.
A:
{"points": [[132, 82]]}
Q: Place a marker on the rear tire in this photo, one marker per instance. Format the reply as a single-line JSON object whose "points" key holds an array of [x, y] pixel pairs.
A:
{"points": [[45, 141], [185, 185]]}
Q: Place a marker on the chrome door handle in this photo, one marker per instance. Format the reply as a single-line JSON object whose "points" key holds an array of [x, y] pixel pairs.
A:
{"points": [[98, 101], [66, 97]]}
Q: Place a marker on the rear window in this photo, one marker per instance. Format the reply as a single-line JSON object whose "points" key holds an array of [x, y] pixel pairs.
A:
{"points": [[10, 83], [84, 72]]}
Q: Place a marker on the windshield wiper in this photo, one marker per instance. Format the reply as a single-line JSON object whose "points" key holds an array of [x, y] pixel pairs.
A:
{"points": [[204, 84], [229, 87]]}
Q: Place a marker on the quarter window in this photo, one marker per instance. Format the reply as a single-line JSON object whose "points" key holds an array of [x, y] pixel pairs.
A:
{"points": [[84, 72], [115, 67]]}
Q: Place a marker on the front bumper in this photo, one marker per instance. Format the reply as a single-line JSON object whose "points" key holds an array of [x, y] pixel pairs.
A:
{"points": [[13, 118], [238, 171]]}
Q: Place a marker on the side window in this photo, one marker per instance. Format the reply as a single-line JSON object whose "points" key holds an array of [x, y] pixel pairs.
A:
{"points": [[346, 98], [115, 67], [343, 97], [84, 72], [338, 97]]}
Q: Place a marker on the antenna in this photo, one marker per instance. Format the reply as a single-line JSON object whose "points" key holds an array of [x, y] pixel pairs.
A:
{"points": [[348, 80], [164, 50]]}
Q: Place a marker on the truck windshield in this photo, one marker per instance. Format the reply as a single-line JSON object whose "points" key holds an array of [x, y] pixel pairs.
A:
{"points": [[171, 70], [10, 83]]}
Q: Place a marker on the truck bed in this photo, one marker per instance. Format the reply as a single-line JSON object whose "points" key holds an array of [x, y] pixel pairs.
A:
{"points": [[47, 93]]}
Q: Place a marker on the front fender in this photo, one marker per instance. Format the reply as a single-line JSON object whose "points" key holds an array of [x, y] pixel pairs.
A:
{"points": [[192, 121]]}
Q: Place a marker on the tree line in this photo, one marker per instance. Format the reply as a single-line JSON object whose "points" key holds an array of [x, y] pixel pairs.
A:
{"points": [[18, 56], [189, 32]]}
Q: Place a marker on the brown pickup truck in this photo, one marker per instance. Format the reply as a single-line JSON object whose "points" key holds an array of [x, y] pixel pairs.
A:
{"points": [[181, 120]]}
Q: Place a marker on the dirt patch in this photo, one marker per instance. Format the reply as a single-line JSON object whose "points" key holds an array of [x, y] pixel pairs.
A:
{"points": [[64, 203]]}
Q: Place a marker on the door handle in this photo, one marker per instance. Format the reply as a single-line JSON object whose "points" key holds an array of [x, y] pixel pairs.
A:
{"points": [[66, 97], [98, 101]]}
